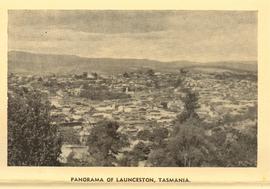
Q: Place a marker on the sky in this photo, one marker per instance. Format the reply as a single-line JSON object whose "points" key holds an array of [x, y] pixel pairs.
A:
{"points": [[202, 36]]}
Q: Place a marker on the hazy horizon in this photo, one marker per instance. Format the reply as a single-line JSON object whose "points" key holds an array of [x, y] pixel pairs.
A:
{"points": [[57, 54], [199, 36]]}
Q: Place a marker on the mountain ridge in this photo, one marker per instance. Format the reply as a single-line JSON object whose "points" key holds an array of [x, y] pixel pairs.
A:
{"points": [[21, 61]]}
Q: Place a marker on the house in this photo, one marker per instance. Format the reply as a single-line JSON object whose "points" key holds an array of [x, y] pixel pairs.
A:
{"points": [[77, 152]]}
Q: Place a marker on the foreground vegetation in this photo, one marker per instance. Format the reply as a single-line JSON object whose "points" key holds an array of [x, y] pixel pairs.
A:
{"points": [[32, 139]]}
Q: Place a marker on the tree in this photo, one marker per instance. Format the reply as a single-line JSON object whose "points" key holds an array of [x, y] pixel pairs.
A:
{"points": [[145, 135], [164, 105], [32, 139], [183, 71], [160, 158], [189, 146], [95, 75], [126, 75], [159, 135], [141, 150], [105, 142], [178, 82], [128, 159], [186, 147], [190, 105], [238, 150], [150, 72], [138, 153]]}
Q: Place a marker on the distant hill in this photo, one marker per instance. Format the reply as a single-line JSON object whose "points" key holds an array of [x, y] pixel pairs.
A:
{"points": [[49, 63]]}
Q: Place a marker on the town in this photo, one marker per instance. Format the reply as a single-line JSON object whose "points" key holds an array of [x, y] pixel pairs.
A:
{"points": [[141, 101]]}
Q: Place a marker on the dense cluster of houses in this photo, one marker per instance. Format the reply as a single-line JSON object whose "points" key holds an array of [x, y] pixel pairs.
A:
{"points": [[151, 99]]}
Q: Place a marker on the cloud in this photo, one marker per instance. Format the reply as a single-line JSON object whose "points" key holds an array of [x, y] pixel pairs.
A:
{"points": [[160, 35], [92, 21]]}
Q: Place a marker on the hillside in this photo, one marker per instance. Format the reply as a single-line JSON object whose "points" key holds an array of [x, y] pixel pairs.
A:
{"points": [[48, 63]]}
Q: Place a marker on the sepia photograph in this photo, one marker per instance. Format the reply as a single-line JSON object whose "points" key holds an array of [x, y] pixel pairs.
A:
{"points": [[132, 88]]}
